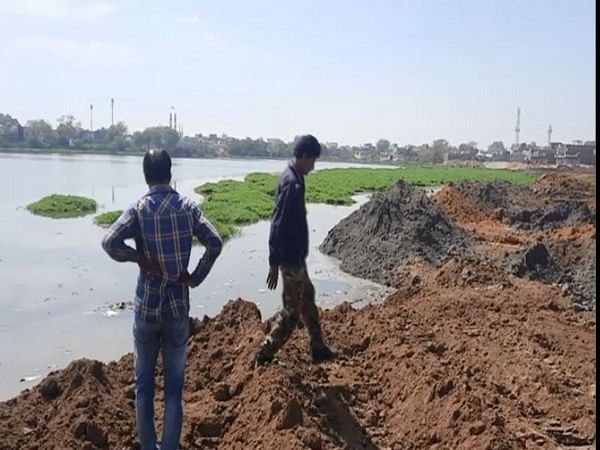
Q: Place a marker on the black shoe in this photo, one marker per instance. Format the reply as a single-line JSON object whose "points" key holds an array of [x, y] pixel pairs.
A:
{"points": [[195, 326], [322, 353], [262, 359]]}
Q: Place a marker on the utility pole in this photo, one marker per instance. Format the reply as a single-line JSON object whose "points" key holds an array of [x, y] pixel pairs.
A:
{"points": [[112, 111], [518, 126]]}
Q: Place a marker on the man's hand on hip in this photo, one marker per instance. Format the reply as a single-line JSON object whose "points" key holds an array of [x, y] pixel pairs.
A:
{"points": [[185, 278], [149, 267]]}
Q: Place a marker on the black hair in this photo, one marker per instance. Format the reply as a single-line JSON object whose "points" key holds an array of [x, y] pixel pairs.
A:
{"points": [[157, 166], [307, 145]]}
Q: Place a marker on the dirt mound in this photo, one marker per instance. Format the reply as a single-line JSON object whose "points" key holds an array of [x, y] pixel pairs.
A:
{"points": [[392, 228], [457, 206], [567, 213], [569, 263], [536, 263], [557, 187], [472, 272], [578, 254], [531, 209], [570, 234], [584, 280], [492, 195], [463, 366]]}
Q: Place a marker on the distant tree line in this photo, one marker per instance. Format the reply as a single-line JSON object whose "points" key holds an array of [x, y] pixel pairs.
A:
{"points": [[69, 134]]}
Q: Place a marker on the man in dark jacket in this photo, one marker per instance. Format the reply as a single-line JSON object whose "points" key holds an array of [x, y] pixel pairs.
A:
{"points": [[288, 249]]}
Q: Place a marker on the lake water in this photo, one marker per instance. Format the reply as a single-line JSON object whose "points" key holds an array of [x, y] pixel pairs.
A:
{"points": [[56, 282]]}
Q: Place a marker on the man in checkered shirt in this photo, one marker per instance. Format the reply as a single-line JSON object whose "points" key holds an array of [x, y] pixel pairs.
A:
{"points": [[163, 224]]}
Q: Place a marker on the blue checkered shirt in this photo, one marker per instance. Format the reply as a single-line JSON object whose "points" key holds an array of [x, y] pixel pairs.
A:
{"points": [[163, 224]]}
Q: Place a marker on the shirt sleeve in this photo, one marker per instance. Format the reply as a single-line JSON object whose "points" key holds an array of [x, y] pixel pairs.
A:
{"points": [[280, 223], [209, 238], [126, 227]]}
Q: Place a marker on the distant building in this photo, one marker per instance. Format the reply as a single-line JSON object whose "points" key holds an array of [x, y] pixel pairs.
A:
{"points": [[577, 153], [12, 132], [542, 156]]}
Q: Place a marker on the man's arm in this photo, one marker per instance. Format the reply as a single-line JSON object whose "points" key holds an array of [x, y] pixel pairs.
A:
{"points": [[125, 227], [209, 237], [280, 224]]}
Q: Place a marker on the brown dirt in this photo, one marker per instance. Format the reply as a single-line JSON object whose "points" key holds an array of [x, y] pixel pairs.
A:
{"points": [[456, 205], [462, 356], [461, 362], [559, 186], [488, 228]]}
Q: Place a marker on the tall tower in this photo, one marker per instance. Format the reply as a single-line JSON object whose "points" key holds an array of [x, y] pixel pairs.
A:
{"points": [[91, 117], [518, 126], [112, 111], [175, 121], [170, 119], [549, 135]]}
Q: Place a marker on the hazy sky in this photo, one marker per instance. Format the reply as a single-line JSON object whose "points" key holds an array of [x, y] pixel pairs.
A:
{"points": [[346, 71]]}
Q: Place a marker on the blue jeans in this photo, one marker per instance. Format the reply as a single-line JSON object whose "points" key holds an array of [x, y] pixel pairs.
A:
{"points": [[149, 337]]}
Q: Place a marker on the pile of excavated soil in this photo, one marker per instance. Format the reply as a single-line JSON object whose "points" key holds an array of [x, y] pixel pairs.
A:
{"points": [[489, 227], [562, 214], [584, 280], [457, 206], [492, 195], [530, 209], [544, 233], [536, 263], [557, 187], [488, 363], [570, 263], [577, 255], [375, 241]]}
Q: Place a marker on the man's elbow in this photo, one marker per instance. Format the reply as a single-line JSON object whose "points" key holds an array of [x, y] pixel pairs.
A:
{"points": [[216, 246], [107, 243]]}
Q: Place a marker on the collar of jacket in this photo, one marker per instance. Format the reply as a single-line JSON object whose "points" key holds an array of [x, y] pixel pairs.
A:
{"points": [[158, 188], [294, 169]]}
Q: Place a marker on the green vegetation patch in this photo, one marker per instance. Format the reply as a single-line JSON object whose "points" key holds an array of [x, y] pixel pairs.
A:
{"points": [[108, 218], [60, 206], [229, 203]]}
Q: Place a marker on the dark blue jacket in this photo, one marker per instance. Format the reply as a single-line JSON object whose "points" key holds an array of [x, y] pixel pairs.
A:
{"points": [[288, 240]]}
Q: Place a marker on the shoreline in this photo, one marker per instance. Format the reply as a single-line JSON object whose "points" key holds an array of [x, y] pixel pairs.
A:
{"points": [[66, 151]]}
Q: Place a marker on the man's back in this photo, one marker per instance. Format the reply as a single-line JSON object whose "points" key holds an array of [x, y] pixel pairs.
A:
{"points": [[163, 224], [166, 230]]}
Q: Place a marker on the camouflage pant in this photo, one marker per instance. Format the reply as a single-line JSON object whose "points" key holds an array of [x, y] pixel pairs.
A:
{"points": [[298, 309]]}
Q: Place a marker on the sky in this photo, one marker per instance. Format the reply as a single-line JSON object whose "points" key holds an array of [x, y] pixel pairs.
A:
{"points": [[346, 71]]}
